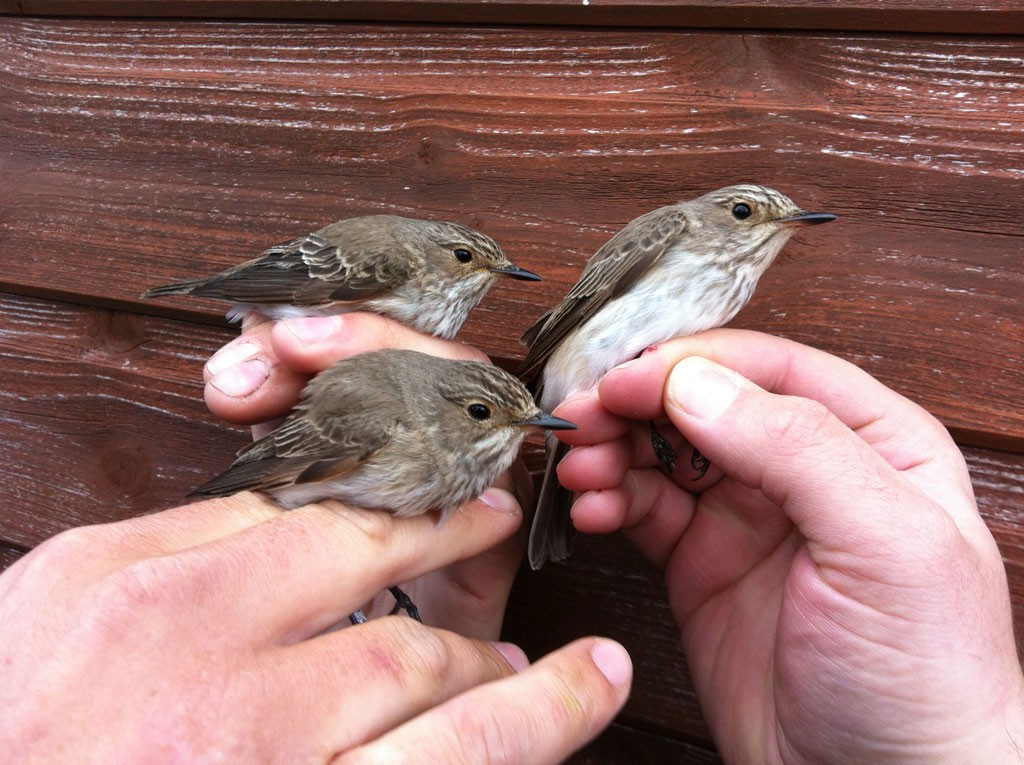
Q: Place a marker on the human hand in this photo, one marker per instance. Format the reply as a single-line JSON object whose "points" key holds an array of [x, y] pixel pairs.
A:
{"points": [[196, 635], [257, 378], [839, 596]]}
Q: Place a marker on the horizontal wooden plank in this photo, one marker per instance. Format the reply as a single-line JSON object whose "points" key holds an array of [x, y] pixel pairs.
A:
{"points": [[138, 152], [9, 554], [620, 744], [947, 16], [101, 416]]}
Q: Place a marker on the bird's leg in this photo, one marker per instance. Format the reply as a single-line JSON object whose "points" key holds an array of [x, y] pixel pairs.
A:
{"points": [[404, 603], [662, 450], [700, 463], [666, 454]]}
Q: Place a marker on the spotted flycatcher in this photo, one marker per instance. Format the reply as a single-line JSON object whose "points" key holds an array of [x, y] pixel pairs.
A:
{"points": [[427, 274], [675, 271], [391, 430]]}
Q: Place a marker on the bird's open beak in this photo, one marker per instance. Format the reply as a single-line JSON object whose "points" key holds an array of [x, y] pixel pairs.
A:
{"points": [[806, 218], [517, 273], [546, 421]]}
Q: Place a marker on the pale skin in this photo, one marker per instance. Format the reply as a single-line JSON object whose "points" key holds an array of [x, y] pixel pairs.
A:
{"points": [[840, 598], [198, 634]]}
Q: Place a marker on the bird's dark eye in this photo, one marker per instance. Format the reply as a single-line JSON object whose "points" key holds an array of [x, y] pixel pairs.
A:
{"points": [[740, 211], [479, 411], [463, 255]]}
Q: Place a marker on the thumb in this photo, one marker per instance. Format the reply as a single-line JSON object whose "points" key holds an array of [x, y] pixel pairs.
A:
{"points": [[839, 492]]}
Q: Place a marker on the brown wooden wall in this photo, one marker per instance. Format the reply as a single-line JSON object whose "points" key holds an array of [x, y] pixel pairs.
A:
{"points": [[141, 149]]}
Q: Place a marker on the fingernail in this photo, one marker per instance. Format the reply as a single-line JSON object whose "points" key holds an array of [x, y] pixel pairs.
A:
{"points": [[313, 329], [613, 661], [242, 379], [500, 500], [513, 654], [230, 355], [701, 388]]}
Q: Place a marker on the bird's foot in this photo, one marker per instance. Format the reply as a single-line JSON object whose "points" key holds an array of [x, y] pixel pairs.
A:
{"points": [[700, 463], [404, 603], [663, 450]]}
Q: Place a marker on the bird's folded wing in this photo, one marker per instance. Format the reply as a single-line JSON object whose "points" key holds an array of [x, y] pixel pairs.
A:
{"points": [[301, 450], [610, 272]]}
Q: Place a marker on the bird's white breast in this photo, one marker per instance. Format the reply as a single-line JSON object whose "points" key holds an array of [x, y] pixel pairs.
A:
{"points": [[684, 296]]}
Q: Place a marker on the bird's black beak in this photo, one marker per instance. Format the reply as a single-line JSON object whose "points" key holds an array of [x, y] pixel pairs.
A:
{"points": [[517, 273], [803, 218], [546, 421]]}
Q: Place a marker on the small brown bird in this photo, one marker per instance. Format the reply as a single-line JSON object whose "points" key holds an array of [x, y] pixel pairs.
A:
{"points": [[427, 274], [675, 271], [391, 430]]}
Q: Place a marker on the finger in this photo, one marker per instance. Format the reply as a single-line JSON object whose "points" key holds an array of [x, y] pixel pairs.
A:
{"points": [[603, 465], [907, 436], [85, 554], [246, 383], [733, 531], [589, 468], [841, 493], [652, 511], [193, 525], [348, 687], [311, 344], [302, 571], [594, 423], [469, 596], [540, 715]]}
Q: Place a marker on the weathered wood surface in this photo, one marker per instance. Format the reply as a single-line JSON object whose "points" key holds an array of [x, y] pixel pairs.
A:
{"points": [[142, 151], [936, 16], [219, 140], [83, 391]]}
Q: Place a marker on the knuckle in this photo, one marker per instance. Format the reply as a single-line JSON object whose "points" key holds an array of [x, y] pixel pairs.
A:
{"points": [[364, 534], [416, 655], [374, 527], [799, 424], [139, 585], [145, 591], [66, 550], [478, 732]]}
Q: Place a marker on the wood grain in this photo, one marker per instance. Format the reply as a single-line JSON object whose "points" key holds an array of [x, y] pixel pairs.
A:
{"points": [[83, 394], [9, 554], [203, 151], [138, 151], [948, 16], [623, 744]]}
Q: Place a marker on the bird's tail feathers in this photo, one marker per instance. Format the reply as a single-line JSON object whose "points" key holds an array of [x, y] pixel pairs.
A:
{"points": [[178, 288], [552, 531]]}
